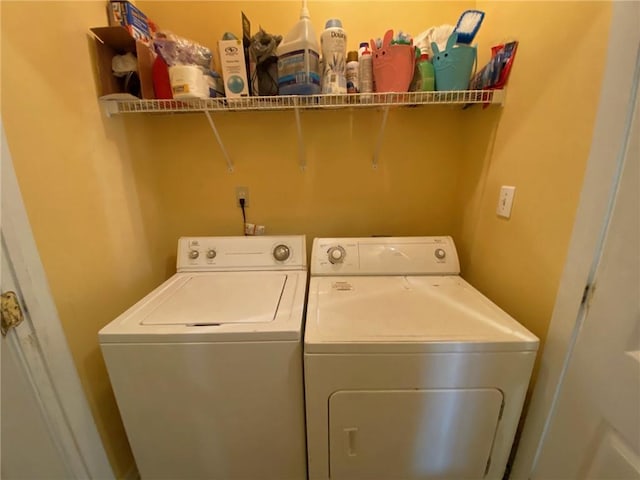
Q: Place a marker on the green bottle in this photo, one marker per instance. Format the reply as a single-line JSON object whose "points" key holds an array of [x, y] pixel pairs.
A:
{"points": [[427, 74]]}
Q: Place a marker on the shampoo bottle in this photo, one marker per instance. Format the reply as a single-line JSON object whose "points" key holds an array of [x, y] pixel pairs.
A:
{"points": [[299, 59]]}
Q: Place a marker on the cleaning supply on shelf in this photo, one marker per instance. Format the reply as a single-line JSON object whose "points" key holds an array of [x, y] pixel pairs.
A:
{"points": [[365, 74], [427, 74], [161, 80], [333, 42], [401, 38], [494, 75], [439, 35], [393, 65], [352, 72], [454, 65], [299, 58], [361, 48], [468, 25]]}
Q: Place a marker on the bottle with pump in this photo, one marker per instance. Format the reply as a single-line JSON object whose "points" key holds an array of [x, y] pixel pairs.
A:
{"points": [[333, 42], [299, 59]]}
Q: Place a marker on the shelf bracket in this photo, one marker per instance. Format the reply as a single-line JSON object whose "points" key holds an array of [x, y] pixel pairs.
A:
{"points": [[110, 107], [376, 152], [224, 150], [301, 159]]}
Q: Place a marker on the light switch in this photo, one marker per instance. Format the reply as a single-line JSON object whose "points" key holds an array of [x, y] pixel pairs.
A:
{"points": [[505, 201]]}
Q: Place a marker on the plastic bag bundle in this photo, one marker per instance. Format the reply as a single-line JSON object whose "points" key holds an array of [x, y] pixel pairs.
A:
{"points": [[263, 63], [176, 50]]}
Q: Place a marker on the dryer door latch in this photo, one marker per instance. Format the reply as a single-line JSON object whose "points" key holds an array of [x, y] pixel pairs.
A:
{"points": [[351, 440]]}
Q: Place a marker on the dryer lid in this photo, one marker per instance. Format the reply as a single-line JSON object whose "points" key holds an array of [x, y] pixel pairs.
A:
{"points": [[414, 313]]}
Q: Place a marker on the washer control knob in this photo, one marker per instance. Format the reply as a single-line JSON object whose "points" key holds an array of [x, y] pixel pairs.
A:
{"points": [[193, 254], [211, 253], [281, 253], [440, 253], [336, 254]]}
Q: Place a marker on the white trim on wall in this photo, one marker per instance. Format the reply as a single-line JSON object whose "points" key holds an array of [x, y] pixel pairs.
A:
{"points": [[53, 373], [601, 176]]}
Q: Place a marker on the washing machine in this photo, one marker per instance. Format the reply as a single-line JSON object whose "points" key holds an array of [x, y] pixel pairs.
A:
{"points": [[410, 372], [207, 368]]}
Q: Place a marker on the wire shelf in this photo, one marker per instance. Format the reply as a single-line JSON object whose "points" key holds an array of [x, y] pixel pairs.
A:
{"points": [[307, 102], [381, 101]]}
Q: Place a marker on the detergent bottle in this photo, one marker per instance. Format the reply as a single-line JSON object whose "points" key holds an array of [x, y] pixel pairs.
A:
{"points": [[333, 42], [299, 58]]}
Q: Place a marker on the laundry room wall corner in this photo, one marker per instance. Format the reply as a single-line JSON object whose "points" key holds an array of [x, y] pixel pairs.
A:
{"points": [[540, 145], [91, 205]]}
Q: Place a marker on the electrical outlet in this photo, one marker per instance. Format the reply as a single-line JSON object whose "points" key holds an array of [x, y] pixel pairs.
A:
{"points": [[505, 201], [242, 192]]}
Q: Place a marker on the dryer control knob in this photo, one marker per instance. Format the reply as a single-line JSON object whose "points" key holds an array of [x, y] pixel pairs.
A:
{"points": [[440, 253], [193, 254], [281, 253], [336, 254], [211, 253]]}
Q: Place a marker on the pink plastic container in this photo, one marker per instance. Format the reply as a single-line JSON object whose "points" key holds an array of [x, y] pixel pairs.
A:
{"points": [[392, 65]]}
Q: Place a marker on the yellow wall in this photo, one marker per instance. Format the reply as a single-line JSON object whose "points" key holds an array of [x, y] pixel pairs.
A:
{"points": [[540, 145], [89, 197], [107, 198]]}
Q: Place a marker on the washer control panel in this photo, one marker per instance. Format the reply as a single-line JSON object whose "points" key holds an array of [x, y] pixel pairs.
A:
{"points": [[281, 252], [287, 252], [336, 254], [385, 256]]}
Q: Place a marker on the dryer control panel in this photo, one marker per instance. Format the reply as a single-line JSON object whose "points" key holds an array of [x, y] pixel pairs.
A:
{"points": [[384, 256], [211, 254]]}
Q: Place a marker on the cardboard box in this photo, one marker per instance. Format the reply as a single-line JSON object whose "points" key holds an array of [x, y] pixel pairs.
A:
{"points": [[124, 14], [112, 41], [234, 72]]}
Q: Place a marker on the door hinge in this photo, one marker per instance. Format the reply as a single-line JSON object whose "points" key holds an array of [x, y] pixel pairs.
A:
{"points": [[11, 312]]}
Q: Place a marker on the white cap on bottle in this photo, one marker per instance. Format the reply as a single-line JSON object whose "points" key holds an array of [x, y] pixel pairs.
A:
{"points": [[304, 13]]}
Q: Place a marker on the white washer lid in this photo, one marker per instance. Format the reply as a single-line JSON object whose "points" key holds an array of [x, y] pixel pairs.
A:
{"points": [[215, 300], [407, 314], [215, 307]]}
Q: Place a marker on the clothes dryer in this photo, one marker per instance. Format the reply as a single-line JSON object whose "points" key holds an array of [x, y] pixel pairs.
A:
{"points": [[207, 368], [410, 372]]}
